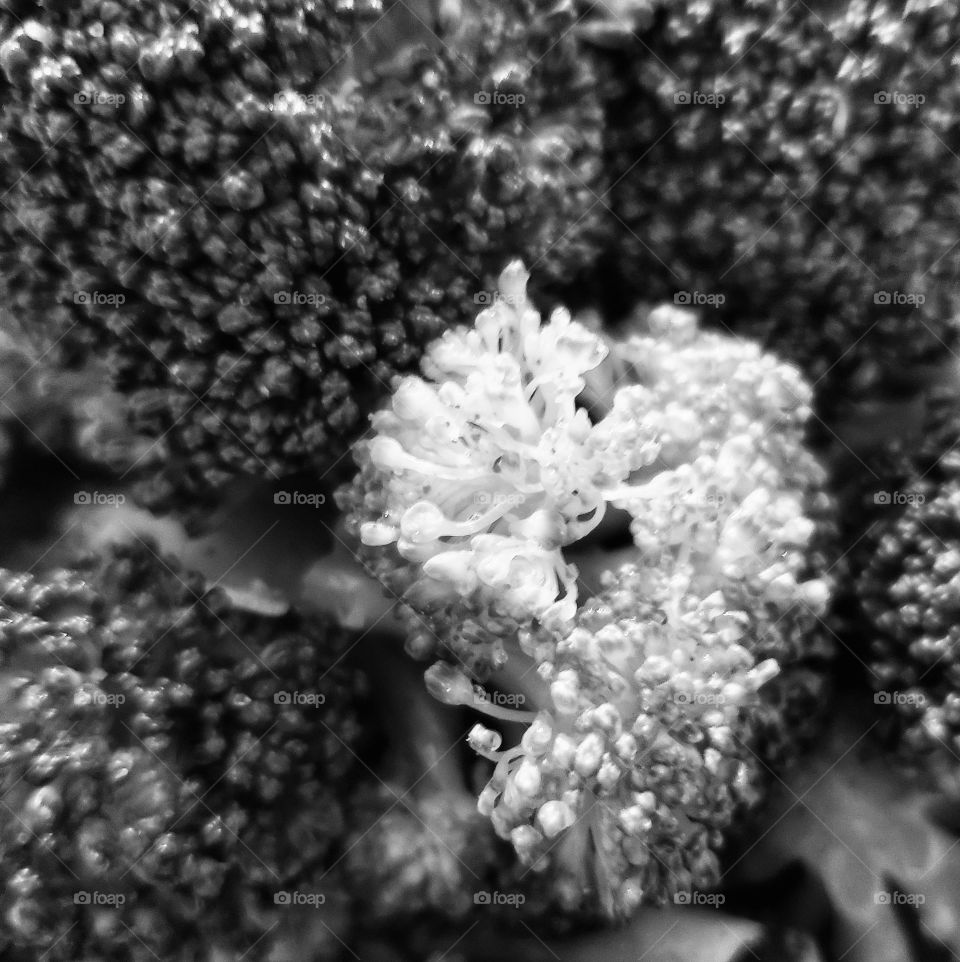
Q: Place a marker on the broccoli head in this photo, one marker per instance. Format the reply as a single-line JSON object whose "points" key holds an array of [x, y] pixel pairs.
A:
{"points": [[792, 169], [260, 229], [905, 595], [173, 767]]}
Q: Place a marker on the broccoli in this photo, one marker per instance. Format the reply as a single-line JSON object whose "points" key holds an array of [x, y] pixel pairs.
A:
{"points": [[793, 168], [415, 844], [649, 729], [171, 766], [906, 590], [258, 228]]}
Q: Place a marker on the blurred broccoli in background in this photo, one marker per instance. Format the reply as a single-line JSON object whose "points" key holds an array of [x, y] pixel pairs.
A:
{"points": [[905, 599], [791, 169], [171, 766], [257, 238]]}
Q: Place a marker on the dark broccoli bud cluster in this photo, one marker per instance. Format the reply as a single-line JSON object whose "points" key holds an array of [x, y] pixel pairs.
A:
{"points": [[494, 150], [907, 594], [172, 768], [258, 232], [911, 595], [406, 856], [792, 170]]}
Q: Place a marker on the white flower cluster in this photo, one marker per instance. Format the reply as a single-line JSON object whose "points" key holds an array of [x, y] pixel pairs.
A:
{"points": [[482, 471]]}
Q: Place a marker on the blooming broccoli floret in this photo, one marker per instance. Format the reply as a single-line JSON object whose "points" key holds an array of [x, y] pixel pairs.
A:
{"points": [[258, 228], [479, 477], [480, 472], [625, 782], [170, 765], [790, 167], [488, 466]]}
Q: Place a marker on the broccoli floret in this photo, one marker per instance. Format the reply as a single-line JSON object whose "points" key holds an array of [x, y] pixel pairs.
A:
{"points": [[906, 592], [415, 844], [171, 766], [909, 595], [625, 781], [793, 168], [259, 240], [478, 477]]}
